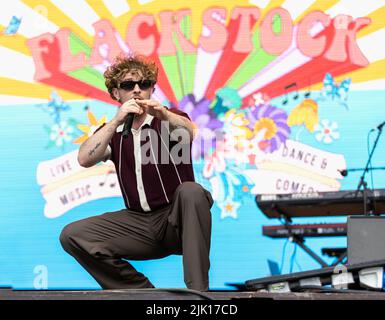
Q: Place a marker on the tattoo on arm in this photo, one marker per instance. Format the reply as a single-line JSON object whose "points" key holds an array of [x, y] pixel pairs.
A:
{"points": [[91, 152]]}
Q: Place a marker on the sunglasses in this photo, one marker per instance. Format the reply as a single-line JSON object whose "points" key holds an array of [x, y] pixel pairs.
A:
{"points": [[130, 84]]}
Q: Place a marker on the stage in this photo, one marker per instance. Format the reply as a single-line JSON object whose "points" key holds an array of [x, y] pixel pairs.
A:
{"points": [[275, 108], [174, 294]]}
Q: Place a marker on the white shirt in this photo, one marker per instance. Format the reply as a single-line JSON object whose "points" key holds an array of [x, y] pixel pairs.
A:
{"points": [[138, 161]]}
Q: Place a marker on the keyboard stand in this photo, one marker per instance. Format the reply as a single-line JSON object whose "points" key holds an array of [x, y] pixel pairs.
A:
{"points": [[300, 241], [339, 253]]}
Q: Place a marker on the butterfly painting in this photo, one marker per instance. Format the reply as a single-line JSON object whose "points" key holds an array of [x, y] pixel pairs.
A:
{"points": [[336, 91], [13, 26], [55, 106]]}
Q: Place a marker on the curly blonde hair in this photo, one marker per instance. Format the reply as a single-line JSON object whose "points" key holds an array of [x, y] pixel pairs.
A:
{"points": [[123, 65]]}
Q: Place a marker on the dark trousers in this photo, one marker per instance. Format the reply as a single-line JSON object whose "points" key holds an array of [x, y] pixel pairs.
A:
{"points": [[103, 243]]}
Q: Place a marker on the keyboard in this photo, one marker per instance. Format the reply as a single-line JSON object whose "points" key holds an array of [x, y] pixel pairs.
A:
{"points": [[335, 203]]}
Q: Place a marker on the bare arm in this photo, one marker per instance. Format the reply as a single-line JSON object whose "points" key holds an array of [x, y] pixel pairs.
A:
{"points": [[176, 121], [95, 148], [180, 122]]}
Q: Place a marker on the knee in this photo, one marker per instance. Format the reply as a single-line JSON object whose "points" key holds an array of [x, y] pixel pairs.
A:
{"points": [[66, 234], [192, 191]]}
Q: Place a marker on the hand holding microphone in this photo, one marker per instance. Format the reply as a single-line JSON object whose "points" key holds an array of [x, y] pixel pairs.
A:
{"points": [[126, 114], [128, 125]]}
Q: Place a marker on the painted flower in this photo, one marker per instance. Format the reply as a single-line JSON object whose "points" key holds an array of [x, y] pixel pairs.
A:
{"points": [[55, 107], [205, 123], [235, 123], [61, 133], [305, 113], [250, 150], [226, 99], [326, 131], [274, 121], [258, 99], [90, 128]]}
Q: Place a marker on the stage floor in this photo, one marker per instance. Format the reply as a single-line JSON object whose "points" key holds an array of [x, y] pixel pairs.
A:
{"points": [[182, 294]]}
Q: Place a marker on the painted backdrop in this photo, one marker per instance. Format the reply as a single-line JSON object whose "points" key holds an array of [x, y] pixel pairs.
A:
{"points": [[284, 95]]}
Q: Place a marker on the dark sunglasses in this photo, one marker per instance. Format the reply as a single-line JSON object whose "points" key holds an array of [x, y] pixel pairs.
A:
{"points": [[130, 85]]}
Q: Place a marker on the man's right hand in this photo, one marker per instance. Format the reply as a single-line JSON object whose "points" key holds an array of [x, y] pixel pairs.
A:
{"points": [[129, 106]]}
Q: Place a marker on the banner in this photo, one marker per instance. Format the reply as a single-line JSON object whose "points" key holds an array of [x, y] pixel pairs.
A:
{"points": [[283, 95]]}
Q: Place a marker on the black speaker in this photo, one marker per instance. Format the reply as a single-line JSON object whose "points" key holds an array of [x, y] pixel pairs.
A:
{"points": [[366, 238]]}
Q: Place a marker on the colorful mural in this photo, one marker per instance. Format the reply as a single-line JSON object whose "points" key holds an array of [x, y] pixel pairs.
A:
{"points": [[283, 94]]}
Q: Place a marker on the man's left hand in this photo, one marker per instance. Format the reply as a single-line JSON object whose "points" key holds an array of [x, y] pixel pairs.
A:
{"points": [[154, 108]]}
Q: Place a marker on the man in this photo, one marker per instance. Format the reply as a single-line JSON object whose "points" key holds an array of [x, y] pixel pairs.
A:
{"points": [[166, 211]]}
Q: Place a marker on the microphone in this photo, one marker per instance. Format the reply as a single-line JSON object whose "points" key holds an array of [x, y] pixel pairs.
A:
{"points": [[343, 172], [127, 125], [379, 127]]}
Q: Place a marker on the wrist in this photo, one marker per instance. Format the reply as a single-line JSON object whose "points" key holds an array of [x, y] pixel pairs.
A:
{"points": [[114, 123], [165, 115]]}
